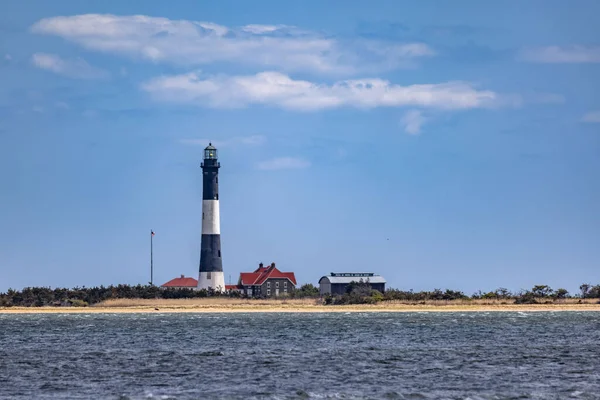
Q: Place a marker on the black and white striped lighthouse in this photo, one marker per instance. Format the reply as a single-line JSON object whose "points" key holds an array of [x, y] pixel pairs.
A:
{"points": [[211, 265]]}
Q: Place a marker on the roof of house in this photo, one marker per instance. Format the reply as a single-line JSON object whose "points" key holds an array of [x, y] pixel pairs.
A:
{"points": [[353, 276], [261, 274], [182, 281], [231, 287]]}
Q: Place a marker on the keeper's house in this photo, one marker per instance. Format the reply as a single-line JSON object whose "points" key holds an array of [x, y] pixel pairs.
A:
{"points": [[267, 282], [337, 282]]}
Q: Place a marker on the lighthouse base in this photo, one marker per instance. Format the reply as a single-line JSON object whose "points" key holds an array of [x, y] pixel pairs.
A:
{"points": [[212, 280]]}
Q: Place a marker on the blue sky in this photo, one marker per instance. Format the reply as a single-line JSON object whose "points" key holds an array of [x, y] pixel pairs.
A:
{"points": [[441, 144]]}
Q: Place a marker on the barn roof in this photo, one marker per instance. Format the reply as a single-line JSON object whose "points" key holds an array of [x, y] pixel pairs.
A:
{"points": [[182, 281], [350, 276], [261, 274]]}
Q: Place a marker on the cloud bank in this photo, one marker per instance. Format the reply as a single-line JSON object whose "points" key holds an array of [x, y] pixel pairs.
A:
{"points": [[197, 43], [592, 117], [254, 140], [77, 68], [279, 90], [567, 54], [284, 163]]}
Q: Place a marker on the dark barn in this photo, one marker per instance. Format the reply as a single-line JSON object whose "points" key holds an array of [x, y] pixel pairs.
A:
{"points": [[337, 282]]}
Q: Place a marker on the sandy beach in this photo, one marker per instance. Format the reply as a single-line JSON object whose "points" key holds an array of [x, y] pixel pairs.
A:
{"points": [[220, 305]]}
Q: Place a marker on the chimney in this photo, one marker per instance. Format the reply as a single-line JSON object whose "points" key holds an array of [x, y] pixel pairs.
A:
{"points": [[272, 265], [182, 275], [260, 265]]}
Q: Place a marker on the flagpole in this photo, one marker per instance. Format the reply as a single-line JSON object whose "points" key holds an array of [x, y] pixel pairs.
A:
{"points": [[151, 261]]}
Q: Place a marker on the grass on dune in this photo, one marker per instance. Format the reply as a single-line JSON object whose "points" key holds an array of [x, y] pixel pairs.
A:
{"points": [[224, 302]]}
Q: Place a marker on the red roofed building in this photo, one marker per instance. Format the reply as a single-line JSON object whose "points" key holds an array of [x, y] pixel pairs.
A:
{"points": [[181, 283], [232, 288], [190, 283], [266, 281]]}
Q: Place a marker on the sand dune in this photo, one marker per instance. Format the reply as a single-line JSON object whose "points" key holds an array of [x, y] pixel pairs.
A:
{"points": [[301, 305]]}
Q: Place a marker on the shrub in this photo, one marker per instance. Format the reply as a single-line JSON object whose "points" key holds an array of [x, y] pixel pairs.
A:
{"points": [[561, 294], [526, 298], [78, 303], [376, 296], [306, 290]]}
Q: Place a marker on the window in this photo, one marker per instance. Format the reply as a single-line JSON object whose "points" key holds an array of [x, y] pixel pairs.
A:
{"points": [[285, 284], [208, 275], [219, 253], [268, 292], [268, 285], [202, 215], [285, 290], [277, 284], [217, 179]]}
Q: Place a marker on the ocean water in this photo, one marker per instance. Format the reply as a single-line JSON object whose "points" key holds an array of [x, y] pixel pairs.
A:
{"points": [[504, 355]]}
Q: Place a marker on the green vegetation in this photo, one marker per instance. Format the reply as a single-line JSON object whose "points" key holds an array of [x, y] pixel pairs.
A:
{"points": [[357, 293], [436, 294], [307, 290], [361, 293], [82, 297]]}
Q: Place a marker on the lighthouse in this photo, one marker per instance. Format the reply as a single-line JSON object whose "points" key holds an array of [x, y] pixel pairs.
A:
{"points": [[211, 265]]}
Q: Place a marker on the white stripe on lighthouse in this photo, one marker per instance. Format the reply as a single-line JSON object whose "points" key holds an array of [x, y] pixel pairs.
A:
{"points": [[212, 280], [210, 217]]}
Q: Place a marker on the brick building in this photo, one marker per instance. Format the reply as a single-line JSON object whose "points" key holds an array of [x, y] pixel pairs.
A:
{"points": [[266, 281]]}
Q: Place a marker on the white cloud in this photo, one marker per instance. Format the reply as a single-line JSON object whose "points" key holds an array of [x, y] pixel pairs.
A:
{"points": [[412, 122], [62, 105], [196, 43], [593, 117], [90, 113], [260, 29], [276, 89], [8, 57], [254, 140], [556, 54], [78, 68], [341, 153], [545, 98], [38, 109], [284, 163]]}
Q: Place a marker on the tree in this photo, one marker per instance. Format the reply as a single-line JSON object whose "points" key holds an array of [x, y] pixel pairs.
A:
{"points": [[561, 293], [594, 292], [585, 288], [526, 297], [541, 291], [307, 290]]}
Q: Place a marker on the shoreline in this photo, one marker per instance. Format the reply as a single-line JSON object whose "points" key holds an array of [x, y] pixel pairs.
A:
{"points": [[283, 308]]}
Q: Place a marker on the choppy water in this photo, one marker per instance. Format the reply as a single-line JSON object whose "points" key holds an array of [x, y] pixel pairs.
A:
{"points": [[543, 355]]}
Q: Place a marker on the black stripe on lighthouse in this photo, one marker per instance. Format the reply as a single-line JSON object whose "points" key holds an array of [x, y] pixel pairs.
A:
{"points": [[210, 179], [210, 254]]}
